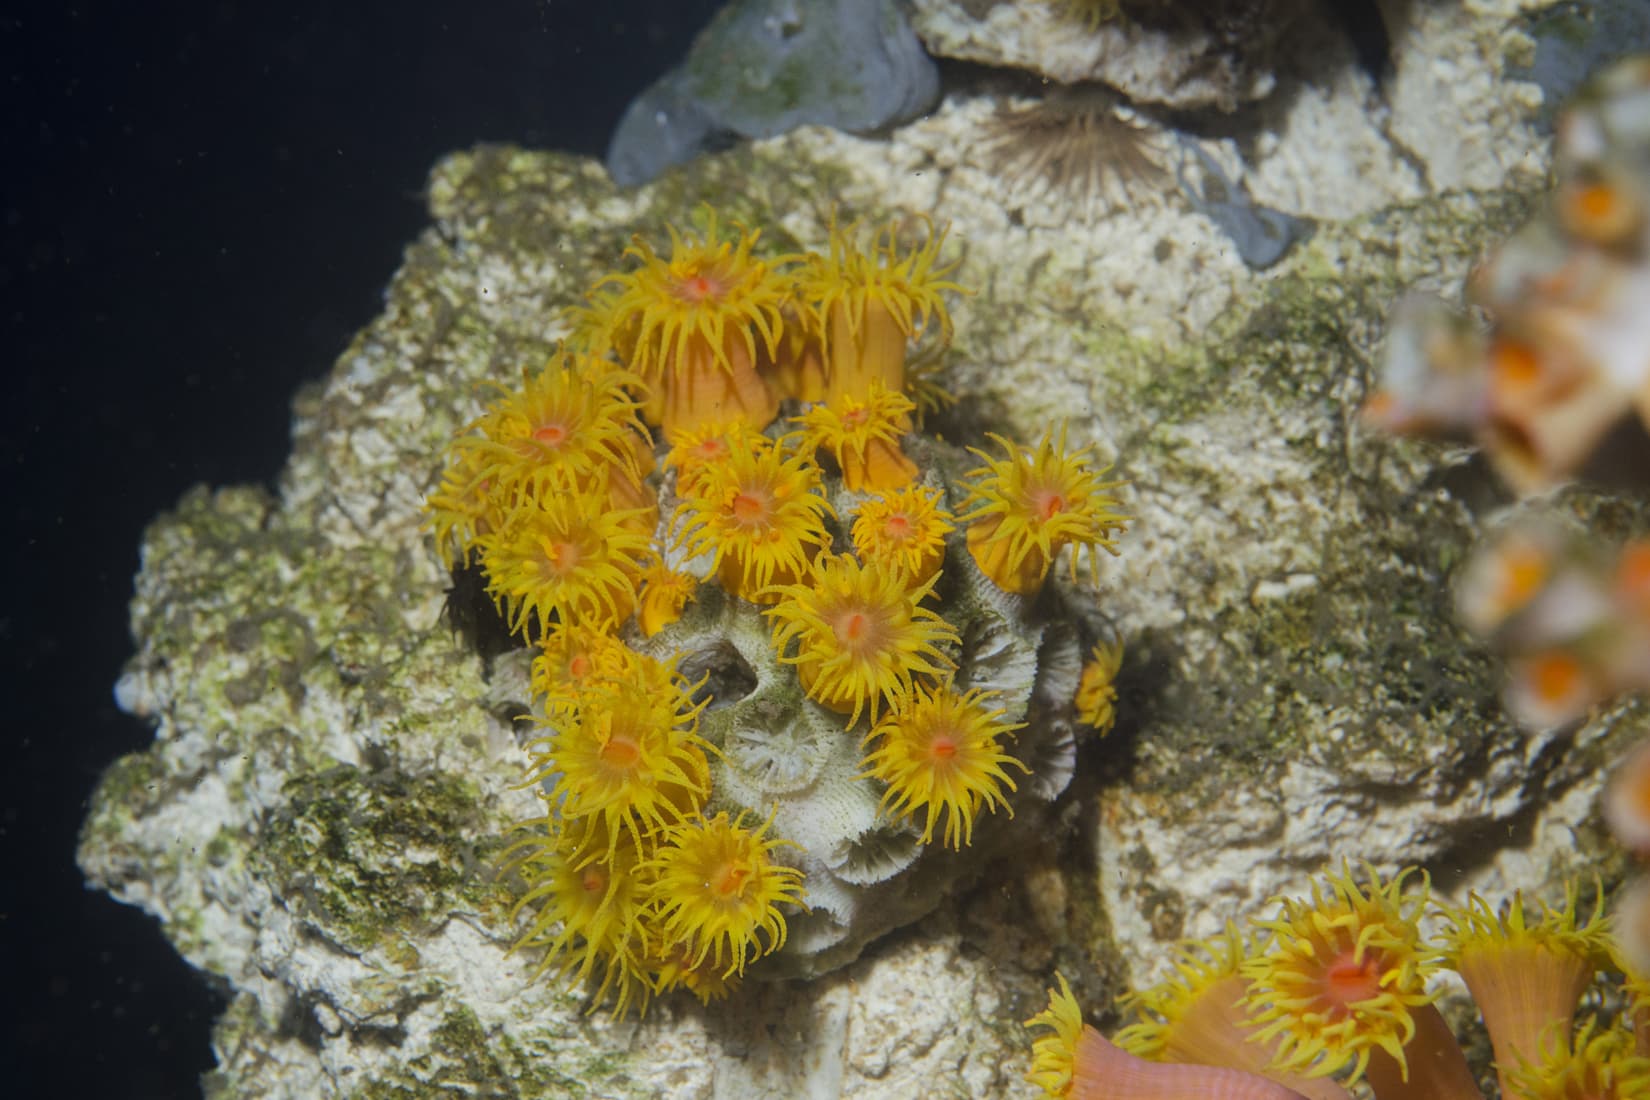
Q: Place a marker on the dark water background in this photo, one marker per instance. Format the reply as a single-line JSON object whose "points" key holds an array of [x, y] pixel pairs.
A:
{"points": [[199, 204]]}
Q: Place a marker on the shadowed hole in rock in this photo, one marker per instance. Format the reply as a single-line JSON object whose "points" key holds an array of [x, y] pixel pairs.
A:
{"points": [[727, 677]]}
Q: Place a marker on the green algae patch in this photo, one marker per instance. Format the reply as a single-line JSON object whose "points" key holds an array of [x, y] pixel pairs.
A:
{"points": [[377, 859]]}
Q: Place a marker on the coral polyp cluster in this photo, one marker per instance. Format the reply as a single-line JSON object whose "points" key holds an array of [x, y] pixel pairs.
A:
{"points": [[1557, 383], [1335, 992], [768, 613]]}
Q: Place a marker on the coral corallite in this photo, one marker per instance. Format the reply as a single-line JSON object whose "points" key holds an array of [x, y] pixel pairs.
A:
{"points": [[719, 889], [861, 638], [1029, 504], [939, 751]]}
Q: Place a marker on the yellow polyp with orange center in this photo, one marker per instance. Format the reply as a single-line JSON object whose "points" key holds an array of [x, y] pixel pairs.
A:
{"points": [[1021, 573], [862, 638], [863, 434], [1599, 211], [698, 328], [1032, 502], [904, 532], [1344, 977], [759, 510], [1633, 576]]}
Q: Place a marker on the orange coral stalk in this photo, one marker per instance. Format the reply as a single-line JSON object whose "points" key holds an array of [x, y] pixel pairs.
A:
{"points": [[1075, 1062], [1527, 976], [1430, 1066]]}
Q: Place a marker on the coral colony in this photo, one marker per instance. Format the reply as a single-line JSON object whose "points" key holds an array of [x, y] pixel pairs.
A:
{"points": [[790, 651], [1337, 990]]}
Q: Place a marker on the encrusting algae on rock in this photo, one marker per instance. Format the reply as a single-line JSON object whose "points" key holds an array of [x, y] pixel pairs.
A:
{"points": [[758, 592]]}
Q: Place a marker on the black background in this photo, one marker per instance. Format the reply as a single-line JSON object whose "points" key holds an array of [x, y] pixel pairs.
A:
{"points": [[200, 204]]}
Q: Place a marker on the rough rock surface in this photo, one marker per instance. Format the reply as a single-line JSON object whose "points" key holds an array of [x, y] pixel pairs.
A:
{"points": [[319, 818], [1184, 54]]}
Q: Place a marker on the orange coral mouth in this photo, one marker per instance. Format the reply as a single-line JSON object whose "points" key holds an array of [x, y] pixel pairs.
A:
{"points": [[1347, 981]]}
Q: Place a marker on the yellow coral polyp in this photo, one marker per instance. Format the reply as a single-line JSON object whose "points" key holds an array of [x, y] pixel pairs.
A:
{"points": [[1527, 975], [567, 423], [460, 509], [718, 892], [863, 435], [1096, 698], [939, 752], [665, 593], [903, 532], [629, 758], [565, 556], [707, 446], [575, 660], [1595, 1064], [861, 637], [696, 327], [1054, 1055], [1030, 503], [760, 512], [864, 306], [1344, 975], [587, 904]]}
